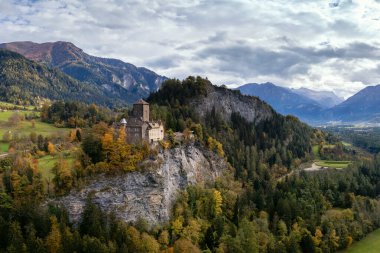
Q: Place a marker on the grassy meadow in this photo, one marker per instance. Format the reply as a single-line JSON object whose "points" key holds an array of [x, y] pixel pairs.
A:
{"points": [[334, 164], [46, 164], [26, 127], [370, 244], [327, 163]]}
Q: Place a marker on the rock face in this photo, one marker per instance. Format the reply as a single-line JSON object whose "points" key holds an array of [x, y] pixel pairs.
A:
{"points": [[150, 193], [226, 101]]}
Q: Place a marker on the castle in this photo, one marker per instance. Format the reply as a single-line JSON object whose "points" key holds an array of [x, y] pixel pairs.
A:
{"points": [[139, 128]]}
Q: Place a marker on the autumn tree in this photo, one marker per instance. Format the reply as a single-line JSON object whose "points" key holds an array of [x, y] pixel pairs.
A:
{"points": [[63, 178], [53, 240]]}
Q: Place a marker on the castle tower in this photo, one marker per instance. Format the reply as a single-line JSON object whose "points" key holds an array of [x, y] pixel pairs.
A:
{"points": [[141, 110]]}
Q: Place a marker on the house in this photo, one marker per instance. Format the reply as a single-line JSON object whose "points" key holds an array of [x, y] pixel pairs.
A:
{"points": [[139, 128]]}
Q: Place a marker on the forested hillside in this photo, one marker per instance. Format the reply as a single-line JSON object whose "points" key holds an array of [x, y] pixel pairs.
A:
{"points": [[121, 80], [262, 201], [253, 136], [25, 82]]}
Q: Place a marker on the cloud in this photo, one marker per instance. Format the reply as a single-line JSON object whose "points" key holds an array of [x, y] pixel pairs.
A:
{"points": [[289, 42]]}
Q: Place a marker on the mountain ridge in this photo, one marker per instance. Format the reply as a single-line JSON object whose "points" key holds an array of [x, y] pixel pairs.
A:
{"points": [[23, 81], [283, 100], [326, 99], [362, 106], [112, 74]]}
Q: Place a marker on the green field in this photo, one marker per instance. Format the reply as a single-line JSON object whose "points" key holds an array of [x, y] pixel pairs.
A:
{"points": [[3, 147], [370, 244], [5, 105], [25, 127], [46, 164], [334, 164]]}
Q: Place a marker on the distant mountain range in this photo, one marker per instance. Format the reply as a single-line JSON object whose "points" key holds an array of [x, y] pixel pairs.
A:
{"points": [[60, 70], [319, 106], [121, 79], [364, 106], [283, 100], [325, 99]]}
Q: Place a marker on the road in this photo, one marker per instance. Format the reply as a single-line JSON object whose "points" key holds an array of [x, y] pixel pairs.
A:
{"points": [[3, 155]]}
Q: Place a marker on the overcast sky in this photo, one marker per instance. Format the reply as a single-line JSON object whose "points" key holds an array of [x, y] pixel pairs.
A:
{"points": [[323, 45]]}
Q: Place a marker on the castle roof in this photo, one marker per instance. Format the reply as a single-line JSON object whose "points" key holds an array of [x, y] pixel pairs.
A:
{"points": [[141, 102]]}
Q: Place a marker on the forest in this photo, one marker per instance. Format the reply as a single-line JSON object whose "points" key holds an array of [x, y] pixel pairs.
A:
{"points": [[255, 207]]}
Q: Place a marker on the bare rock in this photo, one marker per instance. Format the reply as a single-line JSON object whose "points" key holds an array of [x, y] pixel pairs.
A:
{"points": [[148, 194]]}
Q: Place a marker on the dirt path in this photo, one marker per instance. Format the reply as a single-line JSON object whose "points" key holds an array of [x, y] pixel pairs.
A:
{"points": [[314, 167], [3, 155]]}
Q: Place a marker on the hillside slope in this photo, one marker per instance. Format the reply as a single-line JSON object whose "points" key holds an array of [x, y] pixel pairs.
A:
{"points": [[119, 78], [239, 122], [283, 100], [363, 106], [23, 81]]}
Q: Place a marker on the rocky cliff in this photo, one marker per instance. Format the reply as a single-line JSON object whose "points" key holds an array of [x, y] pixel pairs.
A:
{"points": [[149, 193], [226, 101]]}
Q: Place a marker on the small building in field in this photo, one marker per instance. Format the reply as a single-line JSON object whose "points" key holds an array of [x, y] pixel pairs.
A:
{"points": [[139, 128]]}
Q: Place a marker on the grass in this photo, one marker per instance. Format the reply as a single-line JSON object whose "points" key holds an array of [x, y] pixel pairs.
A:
{"points": [[9, 106], [346, 144], [25, 127], [4, 147], [316, 151], [370, 244], [334, 164], [46, 164], [4, 116]]}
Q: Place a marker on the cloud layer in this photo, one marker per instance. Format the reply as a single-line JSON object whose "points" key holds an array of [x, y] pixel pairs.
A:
{"points": [[321, 44]]}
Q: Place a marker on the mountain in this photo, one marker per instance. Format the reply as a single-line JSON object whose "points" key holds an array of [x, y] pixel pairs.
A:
{"points": [[234, 119], [363, 106], [119, 78], [284, 100], [325, 99], [23, 81]]}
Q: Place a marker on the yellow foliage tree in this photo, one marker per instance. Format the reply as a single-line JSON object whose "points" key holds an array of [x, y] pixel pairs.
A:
{"points": [[51, 148], [53, 240], [107, 143], [218, 202], [63, 177], [177, 227], [317, 238]]}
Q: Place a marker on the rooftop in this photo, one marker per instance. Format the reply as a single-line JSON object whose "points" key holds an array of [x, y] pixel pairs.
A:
{"points": [[141, 102]]}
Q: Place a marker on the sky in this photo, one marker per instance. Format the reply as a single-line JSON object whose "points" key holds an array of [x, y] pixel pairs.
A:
{"points": [[323, 45]]}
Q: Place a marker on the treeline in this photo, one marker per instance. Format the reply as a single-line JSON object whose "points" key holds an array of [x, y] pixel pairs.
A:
{"points": [[322, 212], [105, 149], [76, 114], [28, 226], [365, 138]]}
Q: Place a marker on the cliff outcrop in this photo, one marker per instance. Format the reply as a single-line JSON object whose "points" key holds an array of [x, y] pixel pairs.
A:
{"points": [[151, 192]]}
